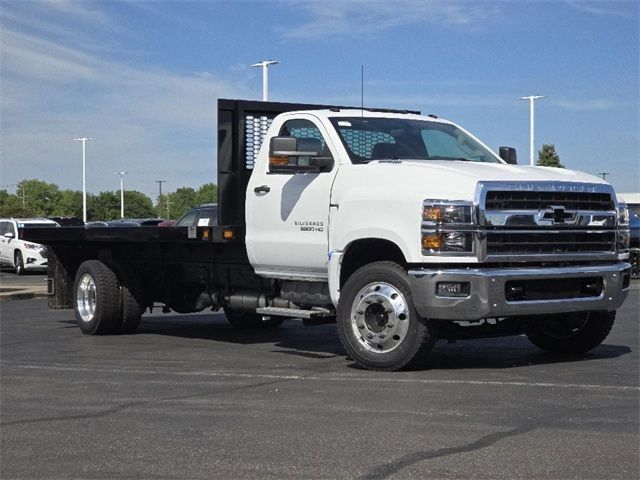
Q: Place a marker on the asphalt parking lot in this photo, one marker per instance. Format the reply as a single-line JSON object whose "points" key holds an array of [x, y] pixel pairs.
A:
{"points": [[189, 397]]}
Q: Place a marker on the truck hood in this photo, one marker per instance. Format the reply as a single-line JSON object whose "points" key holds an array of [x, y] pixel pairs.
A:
{"points": [[464, 176], [441, 179]]}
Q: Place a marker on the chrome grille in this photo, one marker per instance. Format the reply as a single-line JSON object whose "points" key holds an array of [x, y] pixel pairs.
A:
{"points": [[550, 242], [546, 221], [540, 200]]}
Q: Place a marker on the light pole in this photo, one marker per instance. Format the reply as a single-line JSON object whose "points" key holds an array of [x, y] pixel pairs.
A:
{"points": [[160, 182], [122, 174], [532, 99], [265, 76], [84, 176]]}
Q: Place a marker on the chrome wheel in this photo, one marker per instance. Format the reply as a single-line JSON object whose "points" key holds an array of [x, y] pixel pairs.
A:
{"points": [[86, 297], [380, 317]]}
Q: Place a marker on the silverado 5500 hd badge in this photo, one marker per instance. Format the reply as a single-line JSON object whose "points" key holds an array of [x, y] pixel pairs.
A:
{"points": [[309, 225]]}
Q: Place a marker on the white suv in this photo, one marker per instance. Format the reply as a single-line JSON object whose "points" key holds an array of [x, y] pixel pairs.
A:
{"points": [[18, 253]]}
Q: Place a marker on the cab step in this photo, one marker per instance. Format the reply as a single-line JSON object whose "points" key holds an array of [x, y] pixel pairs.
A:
{"points": [[295, 313]]}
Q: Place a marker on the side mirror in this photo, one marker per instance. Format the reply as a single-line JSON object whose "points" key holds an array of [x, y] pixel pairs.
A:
{"points": [[291, 155], [9, 235], [508, 154]]}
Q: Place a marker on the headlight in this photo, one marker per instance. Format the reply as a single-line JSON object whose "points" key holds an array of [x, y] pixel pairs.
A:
{"points": [[623, 214], [443, 213], [447, 227], [32, 246]]}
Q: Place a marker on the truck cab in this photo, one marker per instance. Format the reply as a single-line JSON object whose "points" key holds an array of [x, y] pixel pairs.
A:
{"points": [[337, 190]]}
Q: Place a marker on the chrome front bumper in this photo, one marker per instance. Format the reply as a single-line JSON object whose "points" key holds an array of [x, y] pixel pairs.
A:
{"points": [[487, 295]]}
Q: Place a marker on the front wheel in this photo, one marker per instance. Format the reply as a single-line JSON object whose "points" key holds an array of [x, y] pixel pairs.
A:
{"points": [[377, 322], [572, 333]]}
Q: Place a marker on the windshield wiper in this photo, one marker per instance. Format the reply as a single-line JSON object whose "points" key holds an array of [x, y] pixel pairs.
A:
{"points": [[449, 158]]}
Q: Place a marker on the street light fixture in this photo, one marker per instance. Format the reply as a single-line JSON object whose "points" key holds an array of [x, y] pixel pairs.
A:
{"points": [[84, 176], [532, 99], [122, 174], [265, 76]]}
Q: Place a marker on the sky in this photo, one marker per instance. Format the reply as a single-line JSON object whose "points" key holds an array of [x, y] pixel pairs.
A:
{"points": [[142, 78]]}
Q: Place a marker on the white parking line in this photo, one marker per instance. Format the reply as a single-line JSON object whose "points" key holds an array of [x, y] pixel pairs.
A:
{"points": [[330, 378]]}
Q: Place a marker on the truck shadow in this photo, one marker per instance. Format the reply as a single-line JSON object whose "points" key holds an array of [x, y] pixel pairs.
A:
{"points": [[508, 352], [290, 338], [321, 342]]}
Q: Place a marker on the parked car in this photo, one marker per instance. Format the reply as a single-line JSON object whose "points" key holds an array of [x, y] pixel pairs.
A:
{"points": [[205, 215], [633, 204], [126, 222], [634, 224], [634, 230], [68, 221], [20, 254]]}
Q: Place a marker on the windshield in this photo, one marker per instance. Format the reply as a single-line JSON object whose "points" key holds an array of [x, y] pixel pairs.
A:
{"points": [[368, 139]]}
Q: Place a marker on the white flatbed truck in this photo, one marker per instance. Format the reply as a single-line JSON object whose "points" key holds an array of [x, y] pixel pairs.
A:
{"points": [[402, 228]]}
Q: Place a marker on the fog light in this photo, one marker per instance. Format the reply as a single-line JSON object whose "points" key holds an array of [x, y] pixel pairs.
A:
{"points": [[432, 241], [453, 289]]}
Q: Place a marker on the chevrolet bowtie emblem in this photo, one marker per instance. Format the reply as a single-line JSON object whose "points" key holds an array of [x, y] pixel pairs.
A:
{"points": [[556, 214]]}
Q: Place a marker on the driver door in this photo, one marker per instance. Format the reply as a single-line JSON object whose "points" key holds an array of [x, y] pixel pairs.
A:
{"points": [[288, 212]]}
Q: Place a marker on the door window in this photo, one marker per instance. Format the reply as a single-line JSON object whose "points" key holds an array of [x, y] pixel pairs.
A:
{"points": [[309, 139], [4, 228]]}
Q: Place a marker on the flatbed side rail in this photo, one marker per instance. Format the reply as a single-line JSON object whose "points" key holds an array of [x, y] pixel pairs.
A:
{"points": [[214, 234]]}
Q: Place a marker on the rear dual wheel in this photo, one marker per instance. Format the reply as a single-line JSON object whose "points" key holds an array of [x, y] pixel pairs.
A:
{"points": [[104, 305], [377, 321]]}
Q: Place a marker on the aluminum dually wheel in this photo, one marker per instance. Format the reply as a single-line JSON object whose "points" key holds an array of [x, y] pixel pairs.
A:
{"points": [[377, 322], [97, 299], [380, 317], [86, 297]]}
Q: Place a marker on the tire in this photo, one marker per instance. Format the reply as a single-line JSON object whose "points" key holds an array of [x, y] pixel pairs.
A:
{"points": [[377, 321], [18, 261], [246, 320], [572, 333], [97, 299]]}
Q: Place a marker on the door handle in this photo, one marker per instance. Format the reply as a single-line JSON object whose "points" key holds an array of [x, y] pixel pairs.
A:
{"points": [[262, 189]]}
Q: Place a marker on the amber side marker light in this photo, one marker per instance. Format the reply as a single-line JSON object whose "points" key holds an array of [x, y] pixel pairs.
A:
{"points": [[433, 241], [205, 234], [227, 234], [278, 161]]}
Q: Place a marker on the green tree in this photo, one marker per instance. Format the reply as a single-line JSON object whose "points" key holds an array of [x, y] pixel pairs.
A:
{"points": [[547, 157], [180, 201], [207, 193], [39, 197], [136, 205], [11, 206], [69, 204], [104, 206]]}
